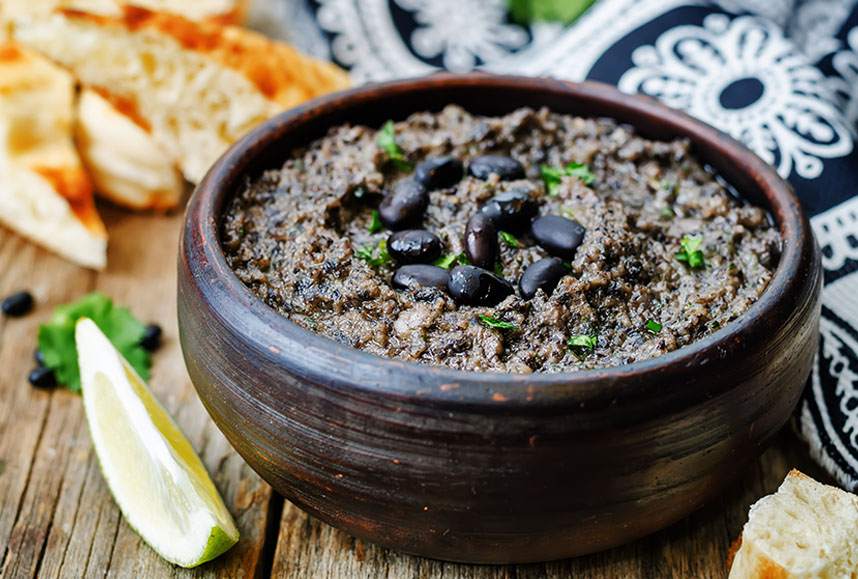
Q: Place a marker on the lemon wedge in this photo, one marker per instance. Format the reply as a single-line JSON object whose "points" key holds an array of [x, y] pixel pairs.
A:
{"points": [[154, 475]]}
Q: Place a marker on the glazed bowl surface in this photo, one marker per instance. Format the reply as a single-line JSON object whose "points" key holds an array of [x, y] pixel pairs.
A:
{"points": [[497, 468]]}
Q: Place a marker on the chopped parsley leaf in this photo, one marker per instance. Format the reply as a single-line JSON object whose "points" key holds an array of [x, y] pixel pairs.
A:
{"points": [[510, 240], [451, 260], [715, 325], [653, 326], [567, 212], [689, 252], [496, 323], [667, 212], [583, 341], [387, 141], [367, 253], [552, 175], [375, 226], [499, 269]]}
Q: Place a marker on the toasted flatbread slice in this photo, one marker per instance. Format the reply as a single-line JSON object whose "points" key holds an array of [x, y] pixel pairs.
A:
{"points": [[804, 530], [125, 163], [219, 11], [197, 87], [45, 193]]}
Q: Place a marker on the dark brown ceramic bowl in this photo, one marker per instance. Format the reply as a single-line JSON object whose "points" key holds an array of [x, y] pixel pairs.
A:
{"points": [[492, 467]]}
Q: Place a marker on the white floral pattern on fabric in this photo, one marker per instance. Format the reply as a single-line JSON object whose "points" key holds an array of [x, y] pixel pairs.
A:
{"points": [[833, 230], [463, 32], [845, 87], [791, 123], [816, 26]]}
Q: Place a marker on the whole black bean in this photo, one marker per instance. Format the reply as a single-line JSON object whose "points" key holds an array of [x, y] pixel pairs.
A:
{"points": [[481, 241], [151, 337], [42, 378], [507, 168], [439, 172], [557, 235], [414, 246], [420, 275], [511, 210], [18, 304], [475, 286], [39, 357], [542, 275], [403, 207]]}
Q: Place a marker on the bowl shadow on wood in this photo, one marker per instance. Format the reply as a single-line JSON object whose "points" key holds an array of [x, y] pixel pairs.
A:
{"points": [[491, 467]]}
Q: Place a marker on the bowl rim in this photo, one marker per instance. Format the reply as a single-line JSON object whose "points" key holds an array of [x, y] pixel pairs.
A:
{"points": [[274, 332]]}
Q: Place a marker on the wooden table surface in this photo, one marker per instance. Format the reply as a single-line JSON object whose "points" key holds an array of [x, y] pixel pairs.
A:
{"points": [[58, 519]]}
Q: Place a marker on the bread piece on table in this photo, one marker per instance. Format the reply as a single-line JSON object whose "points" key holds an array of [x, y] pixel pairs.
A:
{"points": [[197, 87], [805, 530], [125, 163], [220, 11], [45, 194]]}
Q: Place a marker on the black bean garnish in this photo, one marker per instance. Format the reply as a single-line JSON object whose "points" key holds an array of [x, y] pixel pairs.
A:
{"points": [[42, 378], [39, 357], [481, 241], [507, 168], [151, 337], [403, 207], [420, 275], [475, 286], [557, 235], [542, 275], [414, 246], [18, 304], [439, 172], [511, 210]]}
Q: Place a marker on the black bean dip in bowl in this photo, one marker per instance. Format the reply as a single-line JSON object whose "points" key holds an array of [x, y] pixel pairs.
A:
{"points": [[506, 464]]}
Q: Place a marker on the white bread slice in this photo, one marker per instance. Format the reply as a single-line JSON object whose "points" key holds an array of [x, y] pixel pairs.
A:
{"points": [[197, 87], [220, 11], [805, 530], [45, 194], [125, 163]]}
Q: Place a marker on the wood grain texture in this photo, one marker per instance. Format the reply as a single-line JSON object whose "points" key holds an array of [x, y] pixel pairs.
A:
{"points": [[57, 518]]}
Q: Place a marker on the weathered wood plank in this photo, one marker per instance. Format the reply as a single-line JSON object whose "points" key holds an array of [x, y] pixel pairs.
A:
{"points": [[32, 450], [57, 517], [694, 547]]}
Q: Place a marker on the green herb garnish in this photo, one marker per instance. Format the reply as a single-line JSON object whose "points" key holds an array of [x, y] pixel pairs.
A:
{"points": [[496, 323], [653, 326], [387, 141], [57, 341], [552, 175], [715, 325], [510, 240], [581, 344], [565, 11], [567, 212], [689, 252], [499, 269], [375, 226], [667, 212], [451, 260], [368, 254]]}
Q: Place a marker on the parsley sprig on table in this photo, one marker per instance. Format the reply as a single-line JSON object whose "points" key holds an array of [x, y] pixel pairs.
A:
{"points": [[57, 341], [387, 141], [552, 175], [496, 323], [689, 252]]}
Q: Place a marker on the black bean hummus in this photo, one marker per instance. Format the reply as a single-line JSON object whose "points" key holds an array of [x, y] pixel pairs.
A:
{"points": [[532, 242]]}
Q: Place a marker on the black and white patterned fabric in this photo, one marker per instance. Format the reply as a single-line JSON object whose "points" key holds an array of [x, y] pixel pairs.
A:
{"points": [[779, 75]]}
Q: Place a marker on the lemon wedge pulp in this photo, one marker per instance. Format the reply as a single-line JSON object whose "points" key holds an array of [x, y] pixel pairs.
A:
{"points": [[153, 472]]}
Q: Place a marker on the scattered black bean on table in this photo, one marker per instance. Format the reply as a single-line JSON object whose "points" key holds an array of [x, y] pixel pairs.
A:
{"points": [[507, 168], [542, 275], [475, 286], [151, 337], [481, 241], [420, 275], [511, 210], [42, 377], [557, 235], [403, 207], [439, 172], [414, 246], [18, 304]]}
